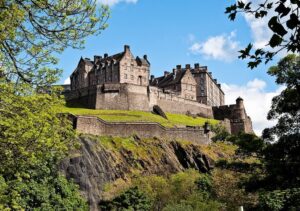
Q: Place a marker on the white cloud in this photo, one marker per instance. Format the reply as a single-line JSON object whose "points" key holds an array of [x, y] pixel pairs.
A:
{"points": [[222, 47], [257, 101], [67, 81], [114, 2]]}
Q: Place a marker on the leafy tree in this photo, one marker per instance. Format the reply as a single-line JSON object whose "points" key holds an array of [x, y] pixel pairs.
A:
{"points": [[32, 30], [33, 140], [282, 157], [249, 144], [285, 26], [221, 133], [131, 199]]}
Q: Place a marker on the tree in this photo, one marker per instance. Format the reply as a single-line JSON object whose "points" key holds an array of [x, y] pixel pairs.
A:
{"points": [[285, 26], [131, 199], [284, 167], [31, 31], [33, 140]]}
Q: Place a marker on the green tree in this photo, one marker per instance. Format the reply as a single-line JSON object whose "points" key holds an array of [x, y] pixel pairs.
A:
{"points": [[282, 157], [285, 26], [31, 31], [33, 140], [131, 200]]}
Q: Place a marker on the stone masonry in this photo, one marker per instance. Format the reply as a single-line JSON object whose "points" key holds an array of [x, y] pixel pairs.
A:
{"points": [[123, 82]]}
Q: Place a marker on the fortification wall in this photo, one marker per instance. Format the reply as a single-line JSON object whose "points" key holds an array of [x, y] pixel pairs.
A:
{"points": [[97, 126], [122, 97], [173, 103]]}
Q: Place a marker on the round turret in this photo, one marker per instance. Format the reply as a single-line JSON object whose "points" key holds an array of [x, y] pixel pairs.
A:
{"points": [[240, 103]]}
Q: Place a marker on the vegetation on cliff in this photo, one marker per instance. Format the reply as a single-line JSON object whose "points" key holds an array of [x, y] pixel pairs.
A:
{"points": [[174, 120]]}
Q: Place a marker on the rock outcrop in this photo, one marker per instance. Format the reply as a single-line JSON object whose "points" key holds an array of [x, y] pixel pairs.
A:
{"points": [[102, 160]]}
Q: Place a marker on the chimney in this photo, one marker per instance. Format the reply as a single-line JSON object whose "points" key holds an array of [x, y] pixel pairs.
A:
{"points": [[166, 73], [97, 58], [174, 71], [146, 57], [197, 66], [105, 55], [152, 78], [126, 48], [216, 80], [178, 67], [187, 66]]}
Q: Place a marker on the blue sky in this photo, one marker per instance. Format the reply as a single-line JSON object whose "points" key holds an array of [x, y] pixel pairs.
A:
{"points": [[183, 32]]}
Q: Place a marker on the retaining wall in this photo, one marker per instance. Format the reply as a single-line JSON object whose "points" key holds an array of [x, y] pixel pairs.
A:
{"points": [[97, 126]]}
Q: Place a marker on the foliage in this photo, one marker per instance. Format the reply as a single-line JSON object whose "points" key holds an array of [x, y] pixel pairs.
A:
{"points": [[33, 139], [281, 200], [249, 144], [285, 26], [229, 190], [184, 190], [32, 31], [131, 199], [220, 131], [140, 116], [284, 168]]}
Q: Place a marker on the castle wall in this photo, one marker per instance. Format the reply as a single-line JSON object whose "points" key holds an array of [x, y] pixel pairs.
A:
{"points": [[172, 103], [96, 126]]}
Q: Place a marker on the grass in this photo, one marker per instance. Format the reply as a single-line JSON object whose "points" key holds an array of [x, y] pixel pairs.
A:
{"points": [[174, 120]]}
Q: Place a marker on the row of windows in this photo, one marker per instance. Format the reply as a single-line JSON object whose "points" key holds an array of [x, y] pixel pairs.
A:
{"points": [[132, 77]]}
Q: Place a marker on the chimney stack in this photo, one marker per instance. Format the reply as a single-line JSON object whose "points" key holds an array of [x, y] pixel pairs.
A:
{"points": [[105, 55], [146, 57], [151, 78], [178, 67], [126, 48], [166, 73], [197, 66], [97, 58], [187, 66]]}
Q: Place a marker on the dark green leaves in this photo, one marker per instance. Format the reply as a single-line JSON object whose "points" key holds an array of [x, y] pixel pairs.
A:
{"points": [[286, 22], [293, 21], [276, 40], [282, 10], [276, 27]]}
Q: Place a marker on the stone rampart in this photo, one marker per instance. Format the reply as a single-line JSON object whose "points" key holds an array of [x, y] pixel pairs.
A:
{"points": [[96, 126]]}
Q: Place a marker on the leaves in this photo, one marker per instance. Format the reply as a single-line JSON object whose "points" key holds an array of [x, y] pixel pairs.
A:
{"points": [[32, 31], [276, 27], [279, 24], [276, 40]]}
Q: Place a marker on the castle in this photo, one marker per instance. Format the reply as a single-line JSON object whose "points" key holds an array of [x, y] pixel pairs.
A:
{"points": [[123, 82]]}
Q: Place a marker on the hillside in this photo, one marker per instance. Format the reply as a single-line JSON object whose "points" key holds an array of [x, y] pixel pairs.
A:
{"points": [[174, 120], [103, 166]]}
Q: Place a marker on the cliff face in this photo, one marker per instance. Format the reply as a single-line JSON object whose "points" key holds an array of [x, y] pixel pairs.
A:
{"points": [[101, 160]]}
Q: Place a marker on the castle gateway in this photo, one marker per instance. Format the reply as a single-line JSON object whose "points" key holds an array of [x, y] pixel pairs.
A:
{"points": [[123, 82]]}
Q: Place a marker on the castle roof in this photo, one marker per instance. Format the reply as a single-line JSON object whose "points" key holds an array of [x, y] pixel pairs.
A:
{"points": [[169, 79]]}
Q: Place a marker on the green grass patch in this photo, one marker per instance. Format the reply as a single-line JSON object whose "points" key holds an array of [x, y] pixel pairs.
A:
{"points": [[174, 120]]}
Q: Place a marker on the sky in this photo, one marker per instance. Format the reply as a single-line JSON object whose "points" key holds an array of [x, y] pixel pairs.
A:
{"points": [[173, 32]]}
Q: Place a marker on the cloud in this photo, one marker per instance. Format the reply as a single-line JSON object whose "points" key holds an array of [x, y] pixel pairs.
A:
{"points": [[114, 2], [257, 101], [222, 47], [67, 81]]}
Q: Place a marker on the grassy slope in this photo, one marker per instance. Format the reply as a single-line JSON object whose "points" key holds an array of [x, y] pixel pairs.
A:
{"points": [[140, 116]]}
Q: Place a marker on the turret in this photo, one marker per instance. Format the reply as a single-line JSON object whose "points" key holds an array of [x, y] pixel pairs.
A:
{"points": [[240, 109], [240, 103]]}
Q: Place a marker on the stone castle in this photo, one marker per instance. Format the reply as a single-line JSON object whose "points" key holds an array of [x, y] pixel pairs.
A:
{"points": [[123, 82]]}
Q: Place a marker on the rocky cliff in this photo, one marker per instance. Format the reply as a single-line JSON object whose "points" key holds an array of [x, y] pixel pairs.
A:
{"points": [[101, 160]]}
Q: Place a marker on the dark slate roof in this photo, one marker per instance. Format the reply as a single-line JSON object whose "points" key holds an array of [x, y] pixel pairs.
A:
{"points": [[142, 61], [170, 79], [116, 57]]}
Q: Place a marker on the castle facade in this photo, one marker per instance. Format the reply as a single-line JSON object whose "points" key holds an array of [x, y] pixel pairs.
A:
{"points": [[123, 82]]}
